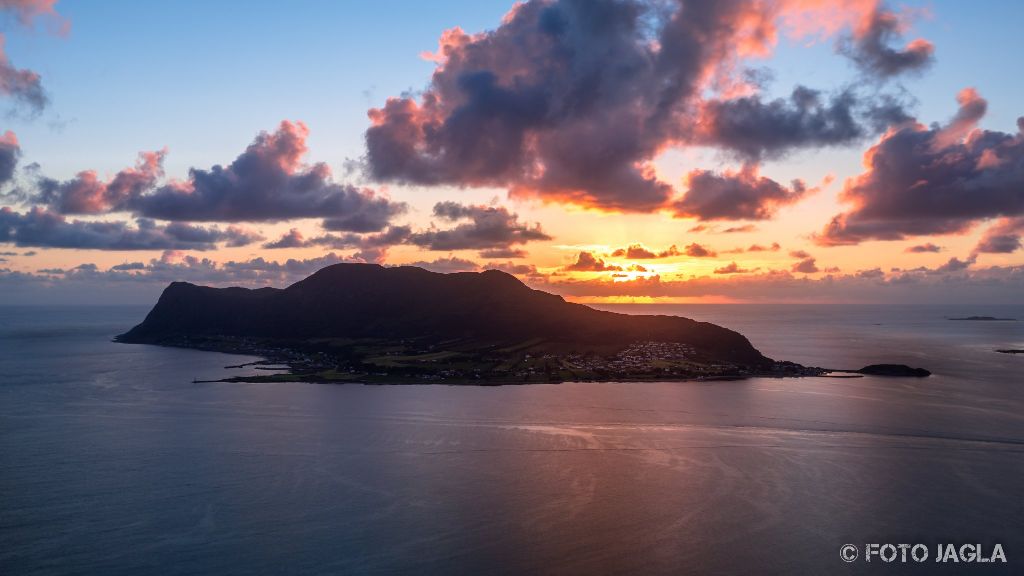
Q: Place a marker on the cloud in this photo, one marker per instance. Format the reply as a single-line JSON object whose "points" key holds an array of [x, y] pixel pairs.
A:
{"points": [[492, 230], [639, 252], [504, 253], [799, 254], [587, 262], [923, 248], [754, 129], [994, 284], [1003, 237], [733, 268], [291, 239], [447, 265], [806, 266], [86, 193], [391, 236], [870, 46], [478, 228], [28, 11], [45, 229], [571, 101], [695, 250], [512, 268], [872, 273], [268, 182], [937, 180], [954, 264], [142, 282], [735, 195], [740, 229], [23, 86], [774, 247], [10, 152]]}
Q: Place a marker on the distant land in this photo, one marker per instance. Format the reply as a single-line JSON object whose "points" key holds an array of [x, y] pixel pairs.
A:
{"points": [[369, 323], [985, 319]]}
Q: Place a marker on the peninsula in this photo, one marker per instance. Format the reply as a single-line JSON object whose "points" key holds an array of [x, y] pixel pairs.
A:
{"points": [[369, 323]]}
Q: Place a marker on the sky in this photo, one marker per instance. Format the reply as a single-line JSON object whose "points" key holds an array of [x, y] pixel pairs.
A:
{"points": [[859, 151]]}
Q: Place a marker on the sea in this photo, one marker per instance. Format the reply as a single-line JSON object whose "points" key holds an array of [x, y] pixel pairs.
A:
{"points": [[112, 461]]}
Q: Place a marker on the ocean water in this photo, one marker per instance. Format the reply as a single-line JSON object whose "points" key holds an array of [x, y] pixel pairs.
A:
{"points": [[113, 462]]}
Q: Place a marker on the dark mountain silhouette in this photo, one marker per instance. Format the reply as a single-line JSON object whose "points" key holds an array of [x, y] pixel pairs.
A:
{"points": [[368, 301]]}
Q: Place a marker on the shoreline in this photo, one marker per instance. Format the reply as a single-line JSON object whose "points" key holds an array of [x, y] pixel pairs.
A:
{"points": [[289, 365], [283, 364]]}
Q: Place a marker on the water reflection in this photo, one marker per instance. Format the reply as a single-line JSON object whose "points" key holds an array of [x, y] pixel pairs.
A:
{"points": [[115, 463]]}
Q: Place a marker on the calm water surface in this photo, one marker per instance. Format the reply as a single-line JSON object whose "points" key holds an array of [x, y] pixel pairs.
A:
{"points": [[113, 462]]}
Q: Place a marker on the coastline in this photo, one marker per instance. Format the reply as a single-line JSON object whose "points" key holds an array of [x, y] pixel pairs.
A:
{"points": [[289, 365]]}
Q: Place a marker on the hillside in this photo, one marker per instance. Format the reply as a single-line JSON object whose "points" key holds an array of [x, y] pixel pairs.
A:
{"points": [[346, 314]]}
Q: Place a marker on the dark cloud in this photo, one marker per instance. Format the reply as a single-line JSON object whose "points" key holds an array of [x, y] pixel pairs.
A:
{"points": [[129, 266], [86, 193], [10, 152], [742, 195], [516, 106], [588, 262], [956, 265], [512, 268], [755, 129], [571, 101], [41, 228], [733, 268], [487, 227], [923, 248], [268, 182], [291, 239], [871, 273], [371, 255], [870, 47], [391, 236], [936, 180], [23, 86], [1003, 237], [807, 266], [799, 254], [697, 251]]}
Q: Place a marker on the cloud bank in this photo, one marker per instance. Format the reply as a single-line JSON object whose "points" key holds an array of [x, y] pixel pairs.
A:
{"points": [[571, 101]]}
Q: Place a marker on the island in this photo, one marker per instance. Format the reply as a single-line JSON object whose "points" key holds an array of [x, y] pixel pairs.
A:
{"points": [[984, 319], [398, 325], [899, 370], [1010, 351]]}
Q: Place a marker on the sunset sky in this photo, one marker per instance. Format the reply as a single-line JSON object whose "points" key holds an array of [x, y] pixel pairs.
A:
{"points": [[608, 151]]}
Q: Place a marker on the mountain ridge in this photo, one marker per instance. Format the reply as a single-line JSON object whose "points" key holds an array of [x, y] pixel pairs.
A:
{"points": [[368, 300], [366, 322]]}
